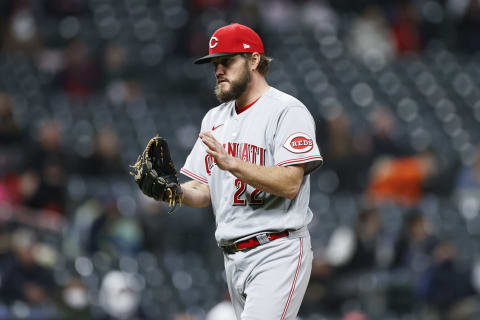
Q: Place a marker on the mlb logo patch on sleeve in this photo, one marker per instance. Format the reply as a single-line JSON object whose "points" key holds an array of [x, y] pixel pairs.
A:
{"points": [[298, 142]]}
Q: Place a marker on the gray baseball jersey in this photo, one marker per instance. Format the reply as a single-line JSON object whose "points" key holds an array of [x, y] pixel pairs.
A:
{"points": [[275, 130]]}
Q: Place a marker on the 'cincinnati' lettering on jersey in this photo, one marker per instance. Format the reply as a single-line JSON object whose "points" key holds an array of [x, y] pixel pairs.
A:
{"points": [[245, 151], [298, 142]]}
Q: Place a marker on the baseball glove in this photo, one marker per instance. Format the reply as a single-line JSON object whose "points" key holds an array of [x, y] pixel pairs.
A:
{"points": [[156, 175]]}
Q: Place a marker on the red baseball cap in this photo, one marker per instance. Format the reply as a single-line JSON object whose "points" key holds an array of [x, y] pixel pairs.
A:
{"points": [[232, 39]]}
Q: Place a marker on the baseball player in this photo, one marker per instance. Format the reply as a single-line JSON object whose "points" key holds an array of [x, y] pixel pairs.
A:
{"points": [[252, 163]]}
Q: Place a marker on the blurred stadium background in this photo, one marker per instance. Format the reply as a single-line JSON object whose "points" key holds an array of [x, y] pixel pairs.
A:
{"points": [[394, 87]]}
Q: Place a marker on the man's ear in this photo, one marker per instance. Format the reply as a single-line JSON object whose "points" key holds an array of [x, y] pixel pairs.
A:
{"points": [[254, 61]]}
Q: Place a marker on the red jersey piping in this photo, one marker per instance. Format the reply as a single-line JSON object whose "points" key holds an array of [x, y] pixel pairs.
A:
{"points": [[193, 175], [240, 110]]}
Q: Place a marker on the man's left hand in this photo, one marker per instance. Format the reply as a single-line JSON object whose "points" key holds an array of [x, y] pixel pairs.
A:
{"points": [[217, 151]]}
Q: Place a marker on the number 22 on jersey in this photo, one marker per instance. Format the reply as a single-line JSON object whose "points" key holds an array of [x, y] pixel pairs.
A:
{"points": [[240, 199]]}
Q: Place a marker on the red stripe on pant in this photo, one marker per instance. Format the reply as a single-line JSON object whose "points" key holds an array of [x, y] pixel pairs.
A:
{"points": [[294, 280]]}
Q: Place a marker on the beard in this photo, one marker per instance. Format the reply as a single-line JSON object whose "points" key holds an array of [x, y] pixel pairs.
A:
{"points": [[237, 87]]}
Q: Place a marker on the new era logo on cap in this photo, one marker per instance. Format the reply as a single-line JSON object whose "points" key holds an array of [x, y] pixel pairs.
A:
{"points": [[231, 39]]}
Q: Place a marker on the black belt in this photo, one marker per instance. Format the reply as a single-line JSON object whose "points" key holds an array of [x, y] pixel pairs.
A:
{"points": [[253, 242]]}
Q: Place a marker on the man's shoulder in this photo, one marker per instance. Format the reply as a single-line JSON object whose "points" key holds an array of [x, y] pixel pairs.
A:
{"points": [[283, 99], [284, 102]]}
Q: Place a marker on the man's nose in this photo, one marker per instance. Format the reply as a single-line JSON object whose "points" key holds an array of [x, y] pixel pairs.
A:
{"points": [[219, 70]]}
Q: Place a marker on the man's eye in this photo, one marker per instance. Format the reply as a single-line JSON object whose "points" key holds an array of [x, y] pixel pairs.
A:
{"points": [[224, 62]]}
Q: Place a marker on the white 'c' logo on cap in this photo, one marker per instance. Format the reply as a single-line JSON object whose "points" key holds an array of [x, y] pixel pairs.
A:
{"points": [[213, 42]]}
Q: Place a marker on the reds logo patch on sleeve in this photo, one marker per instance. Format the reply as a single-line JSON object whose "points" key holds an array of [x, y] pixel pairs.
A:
{"points": [[298, 142]]}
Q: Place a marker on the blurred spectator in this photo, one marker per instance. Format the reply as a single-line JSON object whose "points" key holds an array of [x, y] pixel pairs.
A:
{"points": [[130, 92], [319, 295], [401, 180], [279, 14], [415, 243], [412, 255], [347, 156], [115, 69], [365, 240], [369, 37], [77, 239], [467, 189], [119, 296], [49, 161], [115, 233], [50, 62], [468, 177], [405, 28], [6, 8], [48, 147], [445, 286], [105, 160], [22, 34], [74, 302], [434, 22], [19, 189], [318, 15], [467, 31], [350, 253], [80, 76], [11, 138], [115, 58], [51, 193], [23, 278], [386, 136], [10, 132]]}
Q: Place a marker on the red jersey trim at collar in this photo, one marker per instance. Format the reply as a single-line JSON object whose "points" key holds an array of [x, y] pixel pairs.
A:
{"points": [[240, 110]]}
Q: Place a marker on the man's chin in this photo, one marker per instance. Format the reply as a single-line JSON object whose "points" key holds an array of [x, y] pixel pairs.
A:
{"points": [[224, 86], [223, 95]]}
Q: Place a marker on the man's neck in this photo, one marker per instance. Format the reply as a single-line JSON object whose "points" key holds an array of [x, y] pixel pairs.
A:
{"points": [[256, 88]]}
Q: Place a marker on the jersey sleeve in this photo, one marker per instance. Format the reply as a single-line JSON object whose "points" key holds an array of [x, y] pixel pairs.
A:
{"points": [[194, 166], [295, 140]]}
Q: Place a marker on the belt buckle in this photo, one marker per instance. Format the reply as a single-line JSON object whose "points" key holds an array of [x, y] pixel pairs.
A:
{"points": [[235, 247], [231, 248]]}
